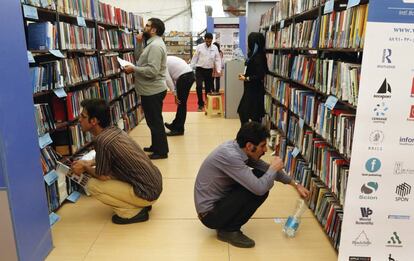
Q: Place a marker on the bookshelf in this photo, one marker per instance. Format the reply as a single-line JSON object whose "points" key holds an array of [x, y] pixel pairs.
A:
{"points": [[73, 48], [314, 51], [179, 44]]}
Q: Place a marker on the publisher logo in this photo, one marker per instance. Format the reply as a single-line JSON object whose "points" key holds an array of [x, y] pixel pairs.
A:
{"points": [[373, 165], [394, 241], [386, 61], [361, 240], [390, 258], [365, 218], [402, 191], [384, 90], [406, 141], [380, 113], [399, 217], [411, 116], [376, 138], [359, 258], [412, 88], [368, 189], [399, 169]]}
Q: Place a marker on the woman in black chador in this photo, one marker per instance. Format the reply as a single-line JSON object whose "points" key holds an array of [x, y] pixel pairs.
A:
{"points": [[251, 105]]}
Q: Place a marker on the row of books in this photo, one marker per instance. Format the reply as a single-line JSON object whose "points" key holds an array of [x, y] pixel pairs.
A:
{"points": [[111, 15], [48, 4], [46, 77], [110, 64], [73, 37], [42, 36], [83, 8], [44, 118], [48, 159], [306, 34], [79, 69], [132, 118], [344, 29], [114, 39], [78, 137]]}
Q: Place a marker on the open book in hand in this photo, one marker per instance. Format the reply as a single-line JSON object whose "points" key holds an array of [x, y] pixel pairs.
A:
{"points": [[124, 63], [81, 179]]}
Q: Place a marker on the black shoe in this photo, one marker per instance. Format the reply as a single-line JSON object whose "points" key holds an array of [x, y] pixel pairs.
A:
{"points": [[200, 108], [148, 149], [168, 125], [175, 133], [236, 238], [142, 216], [148, 208], [155, 156]]}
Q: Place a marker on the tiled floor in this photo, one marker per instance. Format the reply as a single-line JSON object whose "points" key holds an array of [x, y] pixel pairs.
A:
{"points": [[173, 232]]}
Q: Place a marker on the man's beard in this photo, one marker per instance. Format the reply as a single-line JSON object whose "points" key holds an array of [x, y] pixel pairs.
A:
{"points": [[146, 35]]}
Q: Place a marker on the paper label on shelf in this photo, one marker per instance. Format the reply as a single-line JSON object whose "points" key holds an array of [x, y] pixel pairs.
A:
{"points": [[45, 140], [352, 3], [331, 102], [57, 53], [282, 24], [81, 21], [44, 3], [301, 123], [30, 57], [74, 196], [60, 92], [295, 152], [329, 6], [53, 218], [30, 12], [51, 177], [120, 124]]}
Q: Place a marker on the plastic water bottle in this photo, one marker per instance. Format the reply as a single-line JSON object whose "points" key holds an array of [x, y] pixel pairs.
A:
{"points": [[292, 223]]}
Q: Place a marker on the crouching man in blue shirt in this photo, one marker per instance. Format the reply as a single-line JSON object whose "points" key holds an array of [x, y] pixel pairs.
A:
{"points": [[233, 182]]}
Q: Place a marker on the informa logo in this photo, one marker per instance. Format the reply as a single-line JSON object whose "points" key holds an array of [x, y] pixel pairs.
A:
{"points": [[394, 240], [376, 138], [373, 165], [359, 258], [406, 141], [402, 190], [399, 169], [365, 218], [368, 189], [384, 90], [361, 240], [380, 111], [411, 116]]}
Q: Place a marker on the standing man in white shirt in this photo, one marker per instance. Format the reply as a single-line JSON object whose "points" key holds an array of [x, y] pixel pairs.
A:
{"points": [[204, 60], [180, 78]]}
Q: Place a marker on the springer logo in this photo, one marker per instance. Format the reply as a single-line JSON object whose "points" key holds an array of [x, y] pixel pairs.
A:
{"points": [[361, 240], [384, 90], [394, 241], [368, 189], [365, 218], [403, 190], [406, 141]]}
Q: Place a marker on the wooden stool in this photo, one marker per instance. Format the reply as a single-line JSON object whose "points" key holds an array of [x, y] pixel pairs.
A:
{"points": [[210, 109]]}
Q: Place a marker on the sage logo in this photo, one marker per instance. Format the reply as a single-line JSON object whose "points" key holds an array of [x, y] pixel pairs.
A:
{"points": [[399, 169], [361, 240], [406, 141], [384, 90], [373, 165], [394, 240], [386, 56], [368, 189], [365, 217], [402, 190], [380, 112]]}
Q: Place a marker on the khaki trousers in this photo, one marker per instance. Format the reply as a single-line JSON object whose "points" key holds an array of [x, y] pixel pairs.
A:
{"points": [[118, 195]]}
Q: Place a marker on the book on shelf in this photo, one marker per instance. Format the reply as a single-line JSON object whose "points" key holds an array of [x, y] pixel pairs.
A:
{"points": [[42, 36]]}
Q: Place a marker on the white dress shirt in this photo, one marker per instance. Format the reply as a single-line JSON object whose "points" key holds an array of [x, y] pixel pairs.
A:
{"points": [[175, 68], [205, 57]]}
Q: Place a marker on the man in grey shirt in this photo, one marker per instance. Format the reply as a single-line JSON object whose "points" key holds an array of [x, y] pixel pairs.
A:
{"points": [[233, 182], [150, 83]]}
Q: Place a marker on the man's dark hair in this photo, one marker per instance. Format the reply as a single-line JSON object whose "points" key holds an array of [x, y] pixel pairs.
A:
{"points": [[208, 36], [158, 25], [218, 46], [252, 132], [99, 109]]}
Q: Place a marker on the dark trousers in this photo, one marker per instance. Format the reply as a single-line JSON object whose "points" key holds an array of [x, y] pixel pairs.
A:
{"points": [[245, 118], [206, 76], [184, 84], [233, 211], [152, 106], [217, 86]]}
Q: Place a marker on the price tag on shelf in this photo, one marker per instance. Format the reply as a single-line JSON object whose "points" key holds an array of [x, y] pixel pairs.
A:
{"points": [[74, 196], [270, 28], [57, 53], [282, 24], [60, 92], [329, 6], [50, 177], [53, 218], [30, 12], [331, 102], [45, 140], [295, 152], [301, 123], [81, 21], [30, 57], [352, 3]]}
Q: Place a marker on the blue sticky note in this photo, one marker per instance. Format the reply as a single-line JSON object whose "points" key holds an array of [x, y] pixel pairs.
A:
{"points": [[60, 92], [282, 24], [57, 53], [30, 12], [352, 3], [295, 152], [81, 21], [30, 57], [51, 177], [301, 123], [74, 196], [331, 102], [45, 140], [329, 6], [53, 218]]}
